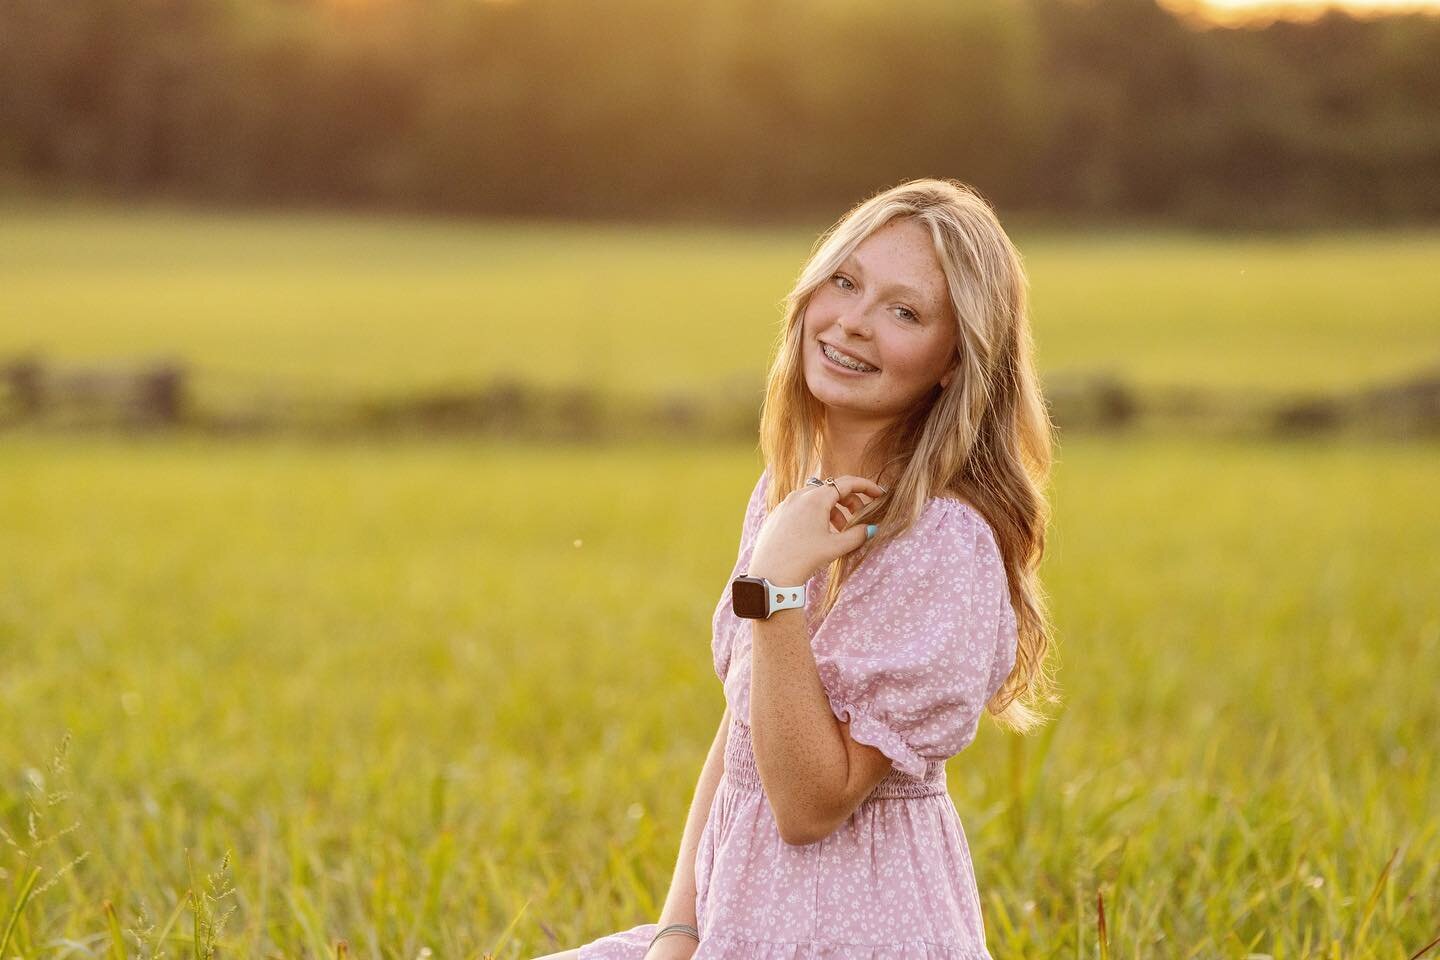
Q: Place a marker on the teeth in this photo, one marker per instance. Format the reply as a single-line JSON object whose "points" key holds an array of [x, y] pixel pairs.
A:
{"points": [[846, 359]]}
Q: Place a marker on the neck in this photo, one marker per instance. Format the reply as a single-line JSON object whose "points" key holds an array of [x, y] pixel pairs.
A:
{"points": [[842, 446]]}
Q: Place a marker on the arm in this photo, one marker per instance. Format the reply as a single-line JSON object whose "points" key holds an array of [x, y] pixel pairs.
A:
{"points": [[680, 901], [814, 774]]}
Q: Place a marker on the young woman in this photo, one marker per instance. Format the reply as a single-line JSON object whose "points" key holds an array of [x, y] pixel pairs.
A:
{"points": [[874, 614]]}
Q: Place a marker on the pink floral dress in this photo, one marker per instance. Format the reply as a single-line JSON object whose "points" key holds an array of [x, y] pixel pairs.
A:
{"points": [[921, 637]]}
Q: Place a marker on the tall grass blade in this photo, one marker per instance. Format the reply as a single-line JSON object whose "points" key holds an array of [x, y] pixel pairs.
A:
{"points": [[1374, 898], [24, 897], [1100, 926], [116, 949], [510, 927], [1424, 950]]}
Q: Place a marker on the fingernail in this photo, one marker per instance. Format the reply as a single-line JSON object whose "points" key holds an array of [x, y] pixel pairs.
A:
{"points": [[870, 529]]}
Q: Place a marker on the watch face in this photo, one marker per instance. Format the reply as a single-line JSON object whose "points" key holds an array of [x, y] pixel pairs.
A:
{"points": [[747, 597]]}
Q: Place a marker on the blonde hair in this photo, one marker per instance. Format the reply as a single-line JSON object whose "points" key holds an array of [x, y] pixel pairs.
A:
{"points": [[987, 438]]}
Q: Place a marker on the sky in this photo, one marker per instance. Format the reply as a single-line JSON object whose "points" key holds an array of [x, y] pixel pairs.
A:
{"points": [[1225, 11]]}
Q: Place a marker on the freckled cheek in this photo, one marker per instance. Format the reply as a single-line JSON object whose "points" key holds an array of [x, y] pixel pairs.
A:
{"points": [[817, 317], [921, 366], [900, 366]]}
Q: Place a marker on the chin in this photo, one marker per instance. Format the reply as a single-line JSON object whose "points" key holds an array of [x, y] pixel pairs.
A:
{"points": [[827, 393], [829, 396]]}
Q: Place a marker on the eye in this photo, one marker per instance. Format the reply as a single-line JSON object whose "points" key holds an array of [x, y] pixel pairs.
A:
{"points": [[909, 316], [841, 276]]}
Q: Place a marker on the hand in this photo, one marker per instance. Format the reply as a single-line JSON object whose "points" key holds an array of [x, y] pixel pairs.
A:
{"points": [[800, 536], [673, 946]]}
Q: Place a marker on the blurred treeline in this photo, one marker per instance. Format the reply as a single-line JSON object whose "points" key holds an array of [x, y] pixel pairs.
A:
{"points": [[755, 109]]}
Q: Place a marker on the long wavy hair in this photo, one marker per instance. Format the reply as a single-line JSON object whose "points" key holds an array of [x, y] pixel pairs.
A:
{"points": [[988, 438]]}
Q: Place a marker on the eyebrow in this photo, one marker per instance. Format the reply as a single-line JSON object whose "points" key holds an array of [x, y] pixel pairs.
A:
{"points": [[898, 287]]}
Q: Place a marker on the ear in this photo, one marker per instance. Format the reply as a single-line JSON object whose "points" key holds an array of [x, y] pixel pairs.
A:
{"points": [[949, 375]]}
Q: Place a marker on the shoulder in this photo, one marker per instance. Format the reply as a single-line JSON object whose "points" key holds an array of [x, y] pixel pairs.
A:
{"points": [[962, 518], [755, 506], [950, 536], [950, 521], [757, 493]]}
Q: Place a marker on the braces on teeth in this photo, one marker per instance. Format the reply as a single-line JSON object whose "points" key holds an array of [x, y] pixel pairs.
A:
{"points": [[840, 358]]}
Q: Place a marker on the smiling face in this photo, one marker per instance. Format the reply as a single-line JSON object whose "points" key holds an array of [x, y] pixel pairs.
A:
{"points": [[886, 308]]}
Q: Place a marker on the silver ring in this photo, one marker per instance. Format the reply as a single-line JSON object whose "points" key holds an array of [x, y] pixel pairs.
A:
{"points": [[830, 481], [814, 482]]}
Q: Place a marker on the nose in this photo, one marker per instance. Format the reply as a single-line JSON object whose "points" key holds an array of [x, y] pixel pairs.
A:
{"points": [[853, 324]]}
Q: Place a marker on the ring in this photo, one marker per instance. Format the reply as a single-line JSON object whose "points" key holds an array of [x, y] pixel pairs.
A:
{"points": [[814, 482], [831, 482]]}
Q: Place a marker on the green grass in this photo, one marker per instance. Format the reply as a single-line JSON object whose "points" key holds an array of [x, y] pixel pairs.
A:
{"points": [[326, 305], [414, 691]]}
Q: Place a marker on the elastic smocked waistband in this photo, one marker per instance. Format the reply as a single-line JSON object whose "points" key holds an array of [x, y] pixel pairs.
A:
{"points": [[740, 770]]}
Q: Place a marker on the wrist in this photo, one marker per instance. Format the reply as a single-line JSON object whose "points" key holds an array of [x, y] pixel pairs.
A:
{"points": [[779, 576], [676, 929], [757, 597]]}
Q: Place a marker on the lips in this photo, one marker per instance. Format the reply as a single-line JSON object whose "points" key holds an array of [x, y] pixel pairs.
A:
{"points": [[824, 344]]}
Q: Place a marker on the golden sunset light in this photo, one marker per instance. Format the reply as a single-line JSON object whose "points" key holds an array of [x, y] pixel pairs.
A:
{"points": [[1244, 11], [719, 479]]}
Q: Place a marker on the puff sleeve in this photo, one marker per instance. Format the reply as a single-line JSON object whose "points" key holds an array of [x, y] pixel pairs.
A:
{"points": [[724, 623], [920, 638]]}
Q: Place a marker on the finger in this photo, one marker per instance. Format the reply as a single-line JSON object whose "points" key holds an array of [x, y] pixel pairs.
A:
{"points": [[845, 515], [847, 485], [852, 538]]}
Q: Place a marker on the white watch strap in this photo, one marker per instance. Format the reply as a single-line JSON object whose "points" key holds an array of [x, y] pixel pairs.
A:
{"points": [[783, 598]]}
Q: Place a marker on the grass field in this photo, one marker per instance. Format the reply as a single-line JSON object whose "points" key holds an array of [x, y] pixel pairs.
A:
{"points": [[334, 662], [340, 305]]}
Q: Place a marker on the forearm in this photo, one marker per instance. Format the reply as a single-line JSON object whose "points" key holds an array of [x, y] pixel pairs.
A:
{"points": [[680, 901], [799, 748]]}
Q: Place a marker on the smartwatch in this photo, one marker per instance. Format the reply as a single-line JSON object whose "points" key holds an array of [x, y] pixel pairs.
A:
{"points": [[755, 598]]}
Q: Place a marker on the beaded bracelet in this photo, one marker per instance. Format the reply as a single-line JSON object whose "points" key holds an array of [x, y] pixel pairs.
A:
{"points": [[684, 928]]}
